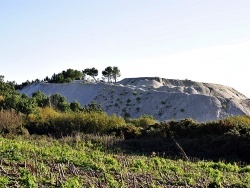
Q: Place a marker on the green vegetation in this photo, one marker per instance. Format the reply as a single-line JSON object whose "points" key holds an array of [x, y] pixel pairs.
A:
{"points": [[12, 99], [128, 100], [227, 139], [66, 76], [138, 109], [85, 161], [93, 72], [111, 73], [135, 93], [107, 73], [143, 121], [163, 102], [138, 99], [51, 122], [116, 73], [62, 77], [70, 74], [48, 142]]}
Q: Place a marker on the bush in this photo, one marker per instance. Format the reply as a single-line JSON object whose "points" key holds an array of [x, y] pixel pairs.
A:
{"points": [[10, 122], [55, 123], [127, 132], [143, 121], [183, 128], [138, 98]]}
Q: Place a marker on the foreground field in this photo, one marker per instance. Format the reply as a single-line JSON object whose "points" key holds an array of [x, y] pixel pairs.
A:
{"points": [[83, 161]]}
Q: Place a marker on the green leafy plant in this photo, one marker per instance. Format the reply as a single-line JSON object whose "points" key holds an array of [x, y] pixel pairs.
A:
{"points": [[27, 179]]}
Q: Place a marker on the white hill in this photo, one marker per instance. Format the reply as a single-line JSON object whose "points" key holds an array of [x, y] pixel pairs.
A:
{"points": [[164, 99]]}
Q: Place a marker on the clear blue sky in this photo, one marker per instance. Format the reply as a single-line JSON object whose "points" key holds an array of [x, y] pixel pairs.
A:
{"points": [[207, 41]]}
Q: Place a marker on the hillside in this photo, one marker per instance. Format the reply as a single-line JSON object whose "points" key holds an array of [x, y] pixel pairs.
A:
{"points": [[164, 99]]}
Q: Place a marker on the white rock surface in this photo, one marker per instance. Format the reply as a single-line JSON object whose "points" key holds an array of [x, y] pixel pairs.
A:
{"points": [[164, 99]]}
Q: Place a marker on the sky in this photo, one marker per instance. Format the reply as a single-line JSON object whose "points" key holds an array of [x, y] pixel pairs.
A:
{"points": [[205, 41]]}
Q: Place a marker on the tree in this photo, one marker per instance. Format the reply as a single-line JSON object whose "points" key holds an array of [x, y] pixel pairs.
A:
{"points": [[93, 107], [6, 88], [26, 105], [65, 76], [59, 102], [72, 74], [20, 103], [41, 99], [116, 73], [91, 72], [1, 78], [107, 73], [76, 106], [46, 79], [111, 73]]}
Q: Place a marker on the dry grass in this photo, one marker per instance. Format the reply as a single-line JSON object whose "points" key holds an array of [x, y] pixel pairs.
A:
{"points": [[10, 121]]}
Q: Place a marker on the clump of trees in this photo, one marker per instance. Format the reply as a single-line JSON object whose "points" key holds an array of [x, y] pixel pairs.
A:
{"points": [[60, 103], [110, 73], [10, 98], [66, 76], [63, 77]]}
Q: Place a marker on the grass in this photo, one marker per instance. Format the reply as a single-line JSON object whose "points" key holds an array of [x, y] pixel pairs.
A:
{"points": [[85, 161], [94, 149]]}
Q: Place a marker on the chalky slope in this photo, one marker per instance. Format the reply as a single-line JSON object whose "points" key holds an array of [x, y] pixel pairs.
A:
{"points": [[164, 99]]}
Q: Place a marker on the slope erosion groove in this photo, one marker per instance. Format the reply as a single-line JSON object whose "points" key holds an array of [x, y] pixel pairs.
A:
{"points": [[162, 98]]}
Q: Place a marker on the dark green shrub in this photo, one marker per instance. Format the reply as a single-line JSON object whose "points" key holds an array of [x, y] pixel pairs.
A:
{"points": [[59, 102], [183, 128], [127, 115], [127, 132], [75, 106], [41, 99], [93, 107], [215, 185]]}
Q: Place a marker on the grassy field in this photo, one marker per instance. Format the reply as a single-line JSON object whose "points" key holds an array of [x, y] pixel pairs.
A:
{"points": [[94, 149], [86, 161]]}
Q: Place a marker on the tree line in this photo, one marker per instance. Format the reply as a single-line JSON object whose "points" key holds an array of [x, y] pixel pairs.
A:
{"points": [[10, 98], [109, 74]]}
